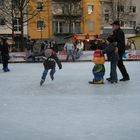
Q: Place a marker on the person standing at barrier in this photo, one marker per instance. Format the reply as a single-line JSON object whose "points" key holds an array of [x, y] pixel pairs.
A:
{"points": [[79, 48], [119, 37], [69, 47], [5, 54]]}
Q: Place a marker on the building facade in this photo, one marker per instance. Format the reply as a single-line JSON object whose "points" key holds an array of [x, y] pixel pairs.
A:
{"points": [[127, 11], [10, 23], [59, 18]]}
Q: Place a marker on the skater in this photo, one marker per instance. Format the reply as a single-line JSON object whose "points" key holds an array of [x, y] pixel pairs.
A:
{"points": [[5, 54], [119, 37], [112, 53], [69, 47], [49, 63], [98, 69], [79, 49]]}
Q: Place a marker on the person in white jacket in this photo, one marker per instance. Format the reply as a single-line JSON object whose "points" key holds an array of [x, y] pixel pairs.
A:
{"points": [[69, 47], [79, 49]]}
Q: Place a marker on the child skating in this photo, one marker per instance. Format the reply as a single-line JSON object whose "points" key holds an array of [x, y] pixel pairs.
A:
{"points": [[49, 63], [112, 53]]}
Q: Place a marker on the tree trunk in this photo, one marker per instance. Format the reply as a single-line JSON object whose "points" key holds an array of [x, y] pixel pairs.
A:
{"points": [[12, 25], [118, 10], [22, 32], [70, 18]]}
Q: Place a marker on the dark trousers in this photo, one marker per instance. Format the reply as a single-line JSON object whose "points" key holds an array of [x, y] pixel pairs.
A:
{"points": [[52, 72], [5, 62], [113, 71], [121, 66]]}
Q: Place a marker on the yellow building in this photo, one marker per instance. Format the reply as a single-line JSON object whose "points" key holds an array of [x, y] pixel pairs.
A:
{"points": [[40, 23], [91, 16], [57, 19]]}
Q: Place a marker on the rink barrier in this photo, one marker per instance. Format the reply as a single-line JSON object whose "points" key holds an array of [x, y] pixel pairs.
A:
{"points": [[18, 57]]}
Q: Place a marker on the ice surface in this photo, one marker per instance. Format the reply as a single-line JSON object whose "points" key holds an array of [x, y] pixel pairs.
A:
{"points": [[68, 108]]}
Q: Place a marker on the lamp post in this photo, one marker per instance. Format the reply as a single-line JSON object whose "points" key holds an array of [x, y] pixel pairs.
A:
{"points": [[42, 27], [41, 32]]}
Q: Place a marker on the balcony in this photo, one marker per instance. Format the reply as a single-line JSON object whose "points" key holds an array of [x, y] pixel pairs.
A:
{"points": [[105, 1], [66, 0], [66, 16], [61, 27], [63, 9]]}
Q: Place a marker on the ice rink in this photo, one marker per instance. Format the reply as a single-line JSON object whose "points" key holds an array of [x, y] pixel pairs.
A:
{"points": [[68, 108]]}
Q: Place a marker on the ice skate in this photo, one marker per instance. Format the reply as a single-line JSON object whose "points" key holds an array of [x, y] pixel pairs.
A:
{"points": [[108, 79], [41, 82], [96, 82], [52, 76], [113, 81]]}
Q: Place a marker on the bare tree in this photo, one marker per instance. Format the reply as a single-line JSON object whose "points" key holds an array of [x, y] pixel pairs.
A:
{"points": [[121, 9], [21, 10]]}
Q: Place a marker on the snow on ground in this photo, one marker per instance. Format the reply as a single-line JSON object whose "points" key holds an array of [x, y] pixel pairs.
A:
{"points": [[68, 108]]}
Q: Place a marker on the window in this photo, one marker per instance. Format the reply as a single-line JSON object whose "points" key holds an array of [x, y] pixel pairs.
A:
{"points": [[39, 6], [133, 9], [17, 24], [122, 23], [2, 21], [63, 27], [55, 26], [90, 26], [15, 3], [58, 27], [90, 9], [40, 25], [1, 2], [77, 27], [57, 9], [132, 23], [106, 17], [120, 8]]}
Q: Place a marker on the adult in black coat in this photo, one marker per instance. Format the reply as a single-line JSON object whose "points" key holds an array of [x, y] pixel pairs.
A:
{"points": [[119, 37], [5, 54]]}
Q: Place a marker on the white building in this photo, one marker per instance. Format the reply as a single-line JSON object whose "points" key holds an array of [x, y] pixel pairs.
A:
{"points": [[6, 18], [127, 11]]}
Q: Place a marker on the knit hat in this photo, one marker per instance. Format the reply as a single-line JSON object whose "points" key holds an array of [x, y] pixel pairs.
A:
{"points": [[48, 53]]}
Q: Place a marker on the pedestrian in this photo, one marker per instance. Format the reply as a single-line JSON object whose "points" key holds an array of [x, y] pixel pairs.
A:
{"points": [[27, 46], [5, 54], [119, 37], [112, 53], [79, 48], [69, 47], [49, 63]]}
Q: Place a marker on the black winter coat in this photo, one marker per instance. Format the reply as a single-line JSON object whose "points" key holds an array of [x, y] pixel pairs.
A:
{"points": [[110, 51], [4, 51], [119, 37], [50, 62]]}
